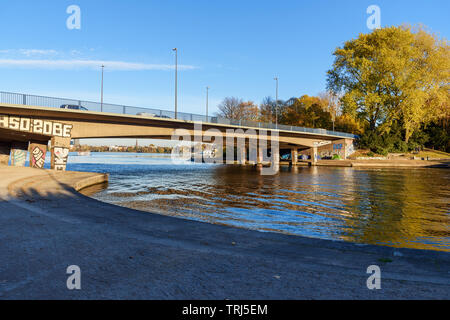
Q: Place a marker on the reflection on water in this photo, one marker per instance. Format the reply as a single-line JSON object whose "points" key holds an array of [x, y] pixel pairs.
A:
{"points": [[394, 207]]}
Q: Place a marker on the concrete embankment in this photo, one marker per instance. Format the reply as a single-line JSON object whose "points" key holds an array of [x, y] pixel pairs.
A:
{"points": [[377, 163], [46, 226]]}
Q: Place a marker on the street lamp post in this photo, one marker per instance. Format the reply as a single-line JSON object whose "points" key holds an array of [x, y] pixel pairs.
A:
{"points": [[101, 104], [334, 116], [276, 103], [176, 82], [207, 102]]}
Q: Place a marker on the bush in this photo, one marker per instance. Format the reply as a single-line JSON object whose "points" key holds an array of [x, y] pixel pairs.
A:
{"points": [[336, 157], [381, 150], [434, 136], [438, 137]]}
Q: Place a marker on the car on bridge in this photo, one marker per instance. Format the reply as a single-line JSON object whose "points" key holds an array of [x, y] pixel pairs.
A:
{"points": [[152, 115], [164, 117], [146, 114], [73, 107]]}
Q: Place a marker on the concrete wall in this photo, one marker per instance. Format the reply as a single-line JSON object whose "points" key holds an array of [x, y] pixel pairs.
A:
{"points": [[5, 150], [343, 148], [19, 151], [38, 152]]}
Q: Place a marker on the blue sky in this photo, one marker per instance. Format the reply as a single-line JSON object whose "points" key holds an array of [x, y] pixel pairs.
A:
{"points": [[235, 47]]}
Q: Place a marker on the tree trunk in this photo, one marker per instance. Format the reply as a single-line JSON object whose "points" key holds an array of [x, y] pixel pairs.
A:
{"points": [[407, 135]]}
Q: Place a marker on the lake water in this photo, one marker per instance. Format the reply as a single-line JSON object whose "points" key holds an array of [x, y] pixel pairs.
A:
{"points": [[394, 207]]}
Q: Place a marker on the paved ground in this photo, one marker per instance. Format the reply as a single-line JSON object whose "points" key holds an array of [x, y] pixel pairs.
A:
{"points": [[397, 163], [45, 226]]}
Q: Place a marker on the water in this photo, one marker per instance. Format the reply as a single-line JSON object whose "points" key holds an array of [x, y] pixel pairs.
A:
{"points": [[394, 207]]}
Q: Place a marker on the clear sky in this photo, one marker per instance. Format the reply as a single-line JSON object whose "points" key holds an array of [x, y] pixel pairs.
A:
{"points": [[235, 47]]}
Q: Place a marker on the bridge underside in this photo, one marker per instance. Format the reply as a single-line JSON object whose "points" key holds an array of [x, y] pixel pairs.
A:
{"points": [[38, 126]]}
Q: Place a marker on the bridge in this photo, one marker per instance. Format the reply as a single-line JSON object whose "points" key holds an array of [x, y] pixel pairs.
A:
{"points": [[37, 124]]}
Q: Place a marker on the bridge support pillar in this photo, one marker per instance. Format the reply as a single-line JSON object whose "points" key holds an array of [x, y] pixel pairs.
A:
{"points": [[346, 150], [76, 142], [260, 158], [60, 153], [275, 156], [314, 155], [38, 151], [242, 155], [294, 156], [5, 151], [19, 151]]}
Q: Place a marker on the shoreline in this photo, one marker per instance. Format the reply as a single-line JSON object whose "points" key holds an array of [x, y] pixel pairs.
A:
{"points": [[128, 254], [444, 164]]}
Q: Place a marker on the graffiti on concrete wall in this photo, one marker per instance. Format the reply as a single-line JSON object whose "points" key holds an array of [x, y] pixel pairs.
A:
{"points": [[61, 155], [18, 157], [337, 149], [39, 126], [350, 149], [37, 157]]}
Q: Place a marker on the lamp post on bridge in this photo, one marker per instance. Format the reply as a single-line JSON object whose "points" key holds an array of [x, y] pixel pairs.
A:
{"points": [[101, 104], [207, 102], [276, 103], [334, 115], [176, 81]]}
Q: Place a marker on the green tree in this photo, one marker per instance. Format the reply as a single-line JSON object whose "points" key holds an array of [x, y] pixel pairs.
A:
{"points": [[393, 74]]}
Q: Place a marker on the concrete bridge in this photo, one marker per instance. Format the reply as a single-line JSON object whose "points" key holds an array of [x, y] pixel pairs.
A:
{"points": [[38, 129]]}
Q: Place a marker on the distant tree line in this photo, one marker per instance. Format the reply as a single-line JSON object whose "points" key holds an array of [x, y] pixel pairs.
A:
{"points": [[391, 87], [136, 149]]}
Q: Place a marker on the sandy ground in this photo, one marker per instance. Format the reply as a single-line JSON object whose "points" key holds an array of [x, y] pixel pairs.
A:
{"points": [[46, 226]]}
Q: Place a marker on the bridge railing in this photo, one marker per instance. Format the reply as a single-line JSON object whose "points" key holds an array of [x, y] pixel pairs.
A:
{"points": [[42, 101]]}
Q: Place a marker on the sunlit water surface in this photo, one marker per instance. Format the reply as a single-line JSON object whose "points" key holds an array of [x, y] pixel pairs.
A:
{"points": [[394, 207]]}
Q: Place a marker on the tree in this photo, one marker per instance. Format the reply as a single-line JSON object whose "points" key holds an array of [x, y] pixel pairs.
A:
{"points": [[393, 74], [307, 111], [347, 123], [235, 108], [331, 103], [267, 110]]}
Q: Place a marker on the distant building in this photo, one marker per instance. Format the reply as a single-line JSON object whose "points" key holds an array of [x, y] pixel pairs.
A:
{"points": [[290, 102]]}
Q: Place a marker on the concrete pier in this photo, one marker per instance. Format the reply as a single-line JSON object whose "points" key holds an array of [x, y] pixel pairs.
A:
{"points": [[314, 155], [260, 157], [294, 156], [5, 151], [19, 151], [242, 155], [38, 152]]}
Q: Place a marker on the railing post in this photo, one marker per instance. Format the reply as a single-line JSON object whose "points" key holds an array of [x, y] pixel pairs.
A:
{"points": [[24, 99], [124, 110]]}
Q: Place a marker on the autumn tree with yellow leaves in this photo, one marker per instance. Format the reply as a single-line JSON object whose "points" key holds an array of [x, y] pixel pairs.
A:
{"points": [[393, 75]]}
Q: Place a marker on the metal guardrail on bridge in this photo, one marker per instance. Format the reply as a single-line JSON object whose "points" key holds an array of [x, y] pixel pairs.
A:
{"points": [[42, 101]]}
